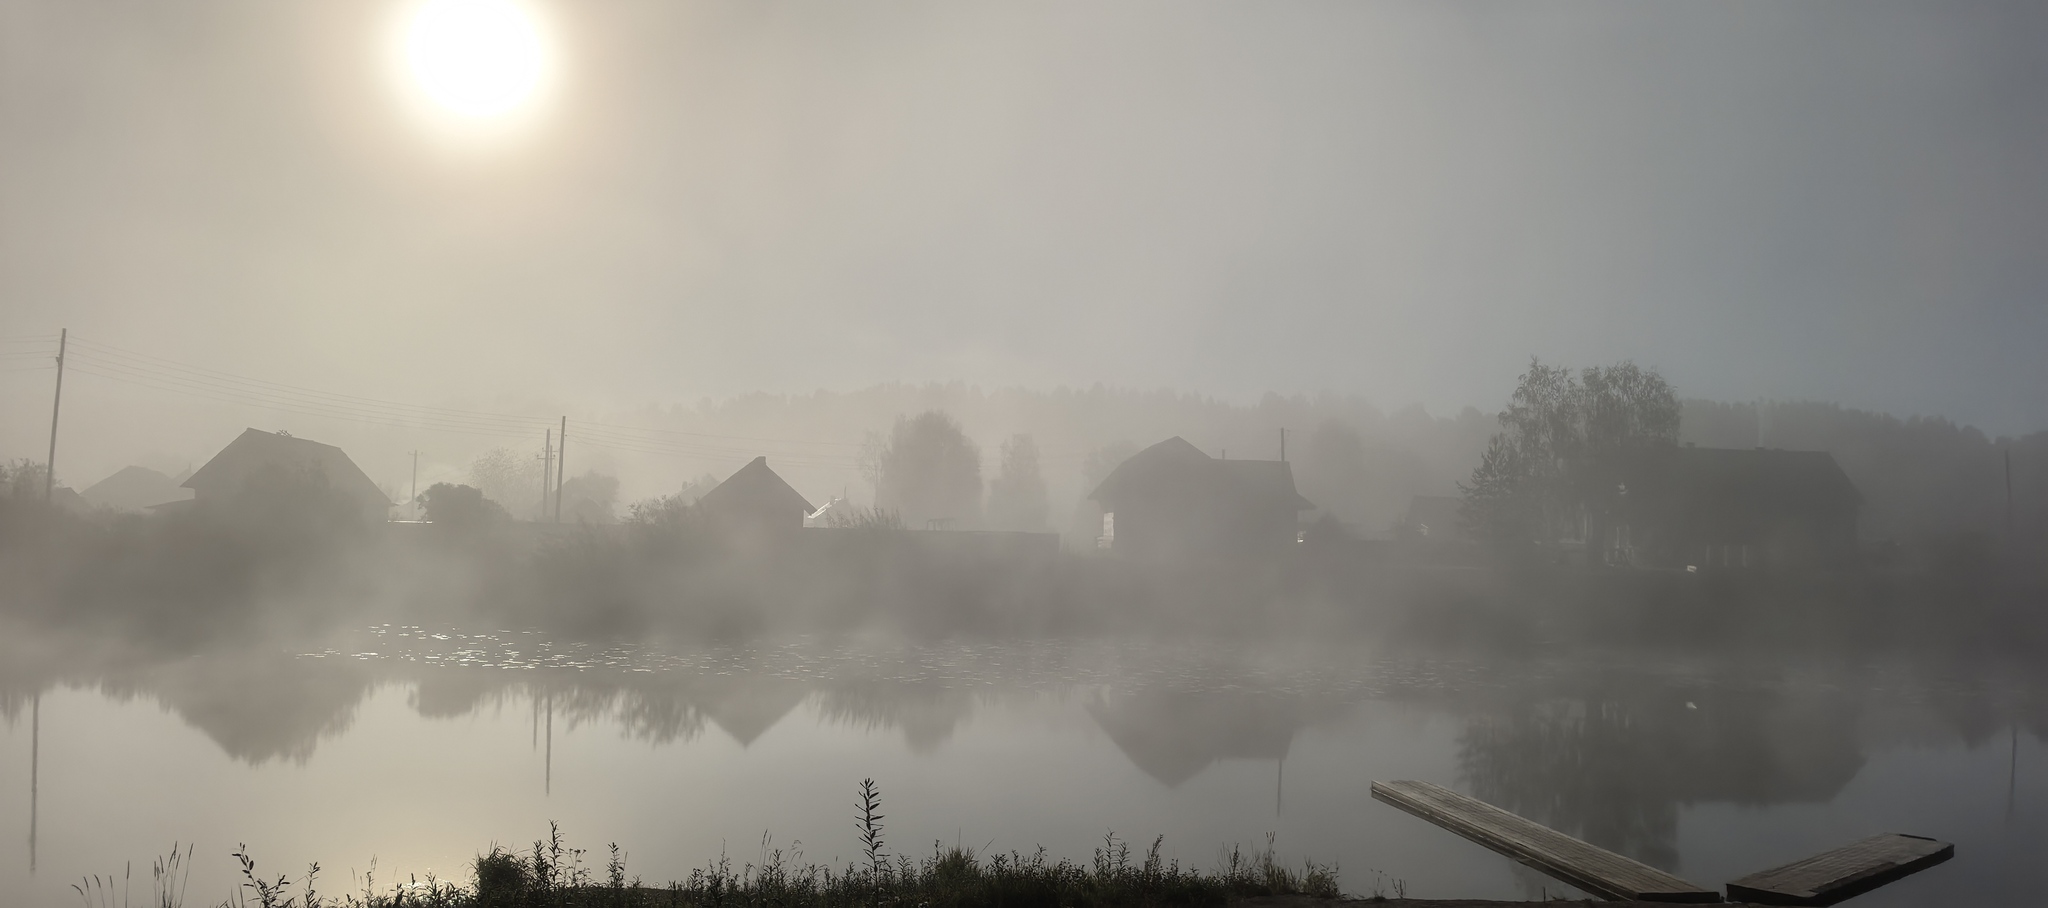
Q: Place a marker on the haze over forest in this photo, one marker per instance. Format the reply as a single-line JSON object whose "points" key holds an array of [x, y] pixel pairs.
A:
{"points": [[1394, 203]]}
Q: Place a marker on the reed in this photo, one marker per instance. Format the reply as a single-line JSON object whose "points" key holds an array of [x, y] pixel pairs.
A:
{"points": [[553, 875]]}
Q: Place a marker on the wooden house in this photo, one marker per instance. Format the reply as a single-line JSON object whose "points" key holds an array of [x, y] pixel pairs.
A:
{"points": [[755, 500], [1173, 501], [258, 463], [1736, 507]]}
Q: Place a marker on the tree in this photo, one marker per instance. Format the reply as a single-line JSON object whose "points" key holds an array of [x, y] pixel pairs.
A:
{"points": [[464, 507], [1365, 484], [508, 477], [930, 471], [1566, 445], [874, 452], [1502, 503], [21, 480], [590, 498], [1016, 497]]}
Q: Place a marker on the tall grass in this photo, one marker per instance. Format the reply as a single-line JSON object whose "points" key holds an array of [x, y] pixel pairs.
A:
{"points": [[553, 875], [949, 877], [169, 876]]}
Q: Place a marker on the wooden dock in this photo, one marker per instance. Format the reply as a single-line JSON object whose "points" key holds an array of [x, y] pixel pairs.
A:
{"points": [[1589, 867], [1853, 869]]}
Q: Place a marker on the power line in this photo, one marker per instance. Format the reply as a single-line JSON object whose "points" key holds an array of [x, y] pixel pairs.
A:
{"points": [[285, 405], [158, 365]]}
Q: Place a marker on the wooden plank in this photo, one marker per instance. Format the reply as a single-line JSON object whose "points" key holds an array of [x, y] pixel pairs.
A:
{"points": [[1852, 869], [1591, 868]]}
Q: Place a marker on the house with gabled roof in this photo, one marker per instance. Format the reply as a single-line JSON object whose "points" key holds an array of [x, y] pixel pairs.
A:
{"points": [[257, 457], [756, 498], [1171, 500], [1741, 507], [134, 488]]}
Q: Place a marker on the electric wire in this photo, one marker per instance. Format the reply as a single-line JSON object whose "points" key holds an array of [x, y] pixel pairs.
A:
{"points": [[143, 360], [285, 406]]}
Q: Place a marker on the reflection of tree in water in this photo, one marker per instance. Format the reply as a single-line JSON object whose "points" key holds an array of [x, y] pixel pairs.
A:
{"points": [[256, 707], [1583, 769], [656, 714], [1614, 768], [926, 711], [675, 709]]}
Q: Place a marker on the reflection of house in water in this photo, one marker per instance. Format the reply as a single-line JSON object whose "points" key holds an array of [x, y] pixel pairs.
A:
{"points": [[1726, 507], [1173, 735], [1173, 501], [745, 707]]}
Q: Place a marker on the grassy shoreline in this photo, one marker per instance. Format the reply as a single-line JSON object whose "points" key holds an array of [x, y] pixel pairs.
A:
{"points": [[551, 874]]}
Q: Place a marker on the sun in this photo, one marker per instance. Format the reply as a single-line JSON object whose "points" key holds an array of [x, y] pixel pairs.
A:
{"points": [[477, 59]]}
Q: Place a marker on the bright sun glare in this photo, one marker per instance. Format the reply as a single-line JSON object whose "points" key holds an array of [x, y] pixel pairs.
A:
{"points": [[477, 58]]}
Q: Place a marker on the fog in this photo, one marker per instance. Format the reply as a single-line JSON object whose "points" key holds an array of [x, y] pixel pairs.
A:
{"points": [[1831, 202], [1629, 416]]}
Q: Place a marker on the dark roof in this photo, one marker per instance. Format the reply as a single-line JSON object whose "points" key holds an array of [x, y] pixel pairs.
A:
{"points": [[756, 488], [134, 488], [255, 450], [1759, 475], [1174, 467], [1272, 480]]}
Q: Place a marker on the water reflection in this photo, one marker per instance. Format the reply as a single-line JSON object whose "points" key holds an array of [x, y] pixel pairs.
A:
{"points": [[1613, 764], [1174, 734], [1614, 752]]}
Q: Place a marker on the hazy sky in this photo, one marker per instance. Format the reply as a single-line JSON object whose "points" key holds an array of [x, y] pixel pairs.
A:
{"points": [[1841, 201]]}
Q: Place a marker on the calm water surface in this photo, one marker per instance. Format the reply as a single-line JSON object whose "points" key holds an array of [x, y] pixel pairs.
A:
{"points": [[415, 749]]}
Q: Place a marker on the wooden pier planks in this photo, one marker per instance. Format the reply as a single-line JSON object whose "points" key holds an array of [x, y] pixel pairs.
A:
{"points": [[1852, 869], [1586, 866]]}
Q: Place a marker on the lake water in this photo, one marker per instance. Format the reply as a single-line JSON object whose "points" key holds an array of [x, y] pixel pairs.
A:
{"points": [[418, 749]]}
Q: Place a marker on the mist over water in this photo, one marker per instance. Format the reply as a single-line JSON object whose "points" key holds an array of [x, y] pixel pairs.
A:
{"points": [[418, 747], [426, 421]]}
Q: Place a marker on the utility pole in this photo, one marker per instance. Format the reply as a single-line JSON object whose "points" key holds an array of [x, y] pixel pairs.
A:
{"points": [[547, 472], [1283, 445], [50, 462], [415, 485], [561, 467], [2009, 539], [35, 770]]}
